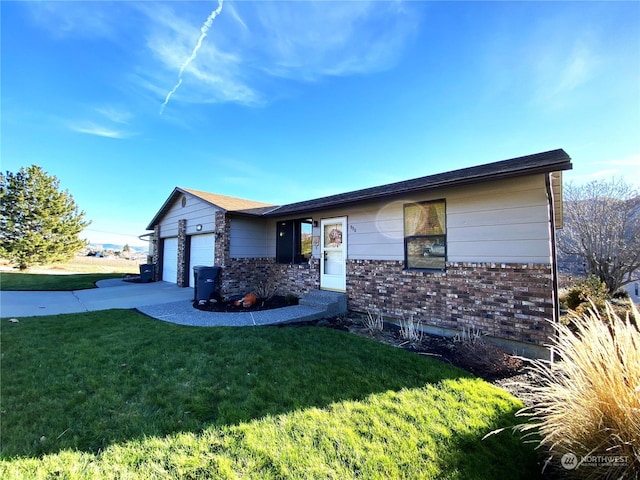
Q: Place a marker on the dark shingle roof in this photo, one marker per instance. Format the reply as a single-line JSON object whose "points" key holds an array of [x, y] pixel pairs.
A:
{"points": [[552, 161], [225, 202]]}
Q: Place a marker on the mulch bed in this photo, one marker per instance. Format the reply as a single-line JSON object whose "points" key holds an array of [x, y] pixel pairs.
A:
{"points": [[227, 305]]}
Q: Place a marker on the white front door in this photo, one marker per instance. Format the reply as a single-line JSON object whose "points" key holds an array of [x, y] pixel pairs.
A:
{"points": [[333, 251]]}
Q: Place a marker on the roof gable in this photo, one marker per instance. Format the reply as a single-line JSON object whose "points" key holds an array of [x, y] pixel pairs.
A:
{"points": [[222, 202]]}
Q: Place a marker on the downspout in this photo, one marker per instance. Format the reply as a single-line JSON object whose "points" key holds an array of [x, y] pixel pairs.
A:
{"points": [[148, 237], [554, 258]]}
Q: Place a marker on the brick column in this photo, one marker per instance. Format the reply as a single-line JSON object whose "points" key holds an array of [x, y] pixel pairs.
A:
{"points": [[222, 255], [183, 261], [156, 255], [222, 228]]}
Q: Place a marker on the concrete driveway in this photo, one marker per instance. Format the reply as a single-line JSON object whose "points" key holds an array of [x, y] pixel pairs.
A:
{"points": [[110, 294]]}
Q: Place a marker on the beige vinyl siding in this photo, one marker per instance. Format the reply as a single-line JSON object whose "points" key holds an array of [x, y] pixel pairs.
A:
{"points": [[377, 234], [196, 212], [248, 238], [502, 221]]}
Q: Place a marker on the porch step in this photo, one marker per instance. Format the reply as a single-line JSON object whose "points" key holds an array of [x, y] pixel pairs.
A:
{"points": [[333, 303]]}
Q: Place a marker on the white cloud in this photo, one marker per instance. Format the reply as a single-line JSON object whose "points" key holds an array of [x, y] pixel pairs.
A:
{"points": [[626, 167], [115, 115], [632, 160], [91, 128], [82, 18], [231, 10], [248, 46], [249, 43], [547, 60], [561, 72], [109, 122], [214, 76], [308, 40]]}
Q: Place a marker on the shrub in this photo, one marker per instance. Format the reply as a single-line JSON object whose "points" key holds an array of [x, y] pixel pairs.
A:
{"points": [[266, 290], [591, 289], [589, 401], [471, 337], [592, 292]]}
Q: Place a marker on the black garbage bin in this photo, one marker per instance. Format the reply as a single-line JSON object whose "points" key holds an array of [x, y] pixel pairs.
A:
{"points": [[146, 272], [207, 282]]}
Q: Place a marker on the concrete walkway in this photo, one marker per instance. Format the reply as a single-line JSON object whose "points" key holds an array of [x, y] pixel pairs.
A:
{"points": [[183, 313], [161, 300]]}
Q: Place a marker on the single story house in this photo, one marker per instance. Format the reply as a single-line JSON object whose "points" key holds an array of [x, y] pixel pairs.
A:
{"points": [[470, 248]]}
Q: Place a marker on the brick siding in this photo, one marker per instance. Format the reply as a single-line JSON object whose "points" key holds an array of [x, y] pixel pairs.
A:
{"points": [[156, 258], [503, 300], [222, 242], [509, 301], [242, 275]]}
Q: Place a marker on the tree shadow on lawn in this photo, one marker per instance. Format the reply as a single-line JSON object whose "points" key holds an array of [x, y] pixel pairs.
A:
{"points": [[88, 381], [506, 454], [509, 459]]}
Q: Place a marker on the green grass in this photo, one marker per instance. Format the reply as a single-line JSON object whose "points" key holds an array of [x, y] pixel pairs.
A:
{"points": [[34, 281], [114, 394]]}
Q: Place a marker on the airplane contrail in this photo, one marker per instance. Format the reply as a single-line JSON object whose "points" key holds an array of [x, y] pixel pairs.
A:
{"points": [[203, 33]]}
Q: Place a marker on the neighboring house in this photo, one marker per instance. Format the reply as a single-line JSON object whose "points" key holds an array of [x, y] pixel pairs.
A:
{"points": [[471, 248]]}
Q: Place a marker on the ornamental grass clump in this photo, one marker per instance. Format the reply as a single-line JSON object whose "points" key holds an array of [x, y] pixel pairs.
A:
{"points": [[588, 413], [373, 323], [411, 331]]}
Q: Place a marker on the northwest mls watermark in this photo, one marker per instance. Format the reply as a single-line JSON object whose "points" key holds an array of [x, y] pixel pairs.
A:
{"points": [[571, 461]]}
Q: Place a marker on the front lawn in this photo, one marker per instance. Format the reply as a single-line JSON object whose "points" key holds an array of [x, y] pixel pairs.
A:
{"points": [[114, 394], [36, 281]]}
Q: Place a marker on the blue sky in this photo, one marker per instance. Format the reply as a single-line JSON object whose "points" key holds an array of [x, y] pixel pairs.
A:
{"points": [[293, 100]]}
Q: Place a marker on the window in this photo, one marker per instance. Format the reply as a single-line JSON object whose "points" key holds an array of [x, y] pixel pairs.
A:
{"points": [[293, 243], [425, 235]]}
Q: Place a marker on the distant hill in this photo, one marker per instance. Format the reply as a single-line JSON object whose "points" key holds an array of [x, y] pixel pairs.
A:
{"points": [[116, 248]]}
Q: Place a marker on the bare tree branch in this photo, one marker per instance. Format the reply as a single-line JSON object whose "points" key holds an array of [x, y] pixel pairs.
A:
{"points": [[602, 227]]}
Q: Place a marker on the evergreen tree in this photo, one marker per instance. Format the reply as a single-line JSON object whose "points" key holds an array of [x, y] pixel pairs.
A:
{"points": [[39, 224]]}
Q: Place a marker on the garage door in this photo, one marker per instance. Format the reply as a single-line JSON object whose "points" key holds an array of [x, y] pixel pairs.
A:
{"points": [[202, 249], [170, 260]]}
